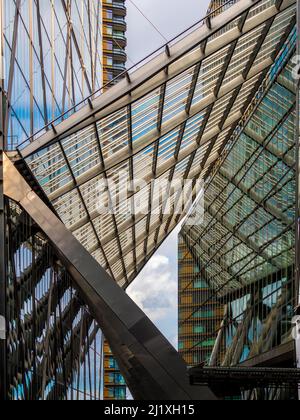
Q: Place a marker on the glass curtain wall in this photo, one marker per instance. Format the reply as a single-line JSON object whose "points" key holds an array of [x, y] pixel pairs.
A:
{"points": [[53, 343], [53, 60], [242, 253]]}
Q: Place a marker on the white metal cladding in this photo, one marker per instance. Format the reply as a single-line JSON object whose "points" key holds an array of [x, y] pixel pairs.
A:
{"points": [[169, 120]]}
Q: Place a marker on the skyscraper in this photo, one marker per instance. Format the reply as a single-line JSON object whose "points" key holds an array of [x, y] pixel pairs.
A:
{"points": [[243, 251], [114, 39], [218, 6], [114, 65]]}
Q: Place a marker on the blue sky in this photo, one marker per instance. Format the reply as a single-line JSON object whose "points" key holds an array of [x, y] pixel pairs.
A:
{"points": [[155, 289]]}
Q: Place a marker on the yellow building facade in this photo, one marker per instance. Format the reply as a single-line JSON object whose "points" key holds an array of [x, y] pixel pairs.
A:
{"points": [[114, 65]]}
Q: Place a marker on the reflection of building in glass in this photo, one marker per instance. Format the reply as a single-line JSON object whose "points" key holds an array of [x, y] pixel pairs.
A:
{"points": [[245, 247]]}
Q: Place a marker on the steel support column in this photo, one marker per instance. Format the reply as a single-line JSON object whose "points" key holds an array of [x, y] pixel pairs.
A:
{"points": [[150, 365]]}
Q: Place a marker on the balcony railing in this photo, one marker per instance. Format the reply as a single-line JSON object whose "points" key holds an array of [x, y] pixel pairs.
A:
{"points": [[120, 52], [115, 5], [119, 67]]}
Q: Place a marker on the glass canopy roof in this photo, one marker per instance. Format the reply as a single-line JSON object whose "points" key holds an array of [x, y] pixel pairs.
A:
{"points": [[168, 120]]}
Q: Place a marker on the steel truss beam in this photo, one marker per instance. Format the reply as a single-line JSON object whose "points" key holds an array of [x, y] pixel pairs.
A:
{"points": [[152, 368]]}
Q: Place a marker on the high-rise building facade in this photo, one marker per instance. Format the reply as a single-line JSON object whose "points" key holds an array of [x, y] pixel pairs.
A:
{"points": [[56, 54], [114, 39], [114, 383], [216, 7], [195, 340], [114, 66], [52, 61], [243, 250]]}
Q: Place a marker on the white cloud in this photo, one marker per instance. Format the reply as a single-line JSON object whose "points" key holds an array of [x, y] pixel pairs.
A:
{"points": [[158, 261], [156, 289]]}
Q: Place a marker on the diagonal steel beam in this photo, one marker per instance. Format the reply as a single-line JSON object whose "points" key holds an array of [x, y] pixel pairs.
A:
{"points": [[151, 366]]}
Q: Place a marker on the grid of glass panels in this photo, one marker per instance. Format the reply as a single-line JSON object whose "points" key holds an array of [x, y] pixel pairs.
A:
{"points": [[242, 253], [52, 52], [52, 339], [176, 131]]}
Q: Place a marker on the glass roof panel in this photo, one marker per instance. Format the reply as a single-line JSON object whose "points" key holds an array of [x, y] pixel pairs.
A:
{"points": [[168, 123], [145, 115]]}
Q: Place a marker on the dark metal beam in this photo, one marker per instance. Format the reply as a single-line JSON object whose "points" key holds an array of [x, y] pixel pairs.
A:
{"points": [[150, 365]]}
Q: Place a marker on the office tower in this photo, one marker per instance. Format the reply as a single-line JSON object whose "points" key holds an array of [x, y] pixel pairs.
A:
{"points": [[196, 326], [245, 245], [114, 383], [114, 39], [114, 66]]}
